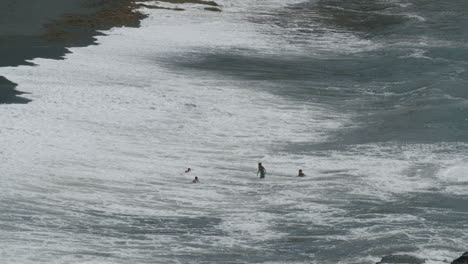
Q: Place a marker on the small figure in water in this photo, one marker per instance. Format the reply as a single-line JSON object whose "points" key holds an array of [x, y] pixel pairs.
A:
{"points": [[300, 174], [261, 170], [188, 170], [195, 180]]}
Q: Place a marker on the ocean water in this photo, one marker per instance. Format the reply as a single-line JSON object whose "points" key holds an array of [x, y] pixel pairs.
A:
{"points": [[22, 22], [23, 25], [368, 98]]}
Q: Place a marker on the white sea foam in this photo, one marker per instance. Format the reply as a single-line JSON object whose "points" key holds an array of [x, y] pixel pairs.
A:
{"points": [[455, 173], [110, 129], [417, 17], [418, 54], [92, 168]]}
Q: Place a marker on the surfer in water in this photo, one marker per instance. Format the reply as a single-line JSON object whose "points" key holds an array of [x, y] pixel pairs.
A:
{"points": [[300, 174], [261, 170], [188, 170], [196, 180]]}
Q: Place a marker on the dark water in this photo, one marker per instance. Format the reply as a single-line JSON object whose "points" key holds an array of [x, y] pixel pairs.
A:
{"points": [[393, 180], [409, 86], [415, 85], [24, 29], [400, 68], [410, 89], [21, 27]]}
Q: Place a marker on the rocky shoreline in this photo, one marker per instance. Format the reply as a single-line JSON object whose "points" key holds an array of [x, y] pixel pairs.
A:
{"points": [[70, 28], [407, 259], [461, 260], [80, 29]]}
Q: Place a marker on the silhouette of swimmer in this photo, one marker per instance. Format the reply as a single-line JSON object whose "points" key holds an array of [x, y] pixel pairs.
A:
{"points": [[300, 174], [261, 170], [188, 170], [195, 180]]}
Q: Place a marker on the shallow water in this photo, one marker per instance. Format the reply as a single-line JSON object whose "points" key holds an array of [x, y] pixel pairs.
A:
{"points": [[374, 113]]}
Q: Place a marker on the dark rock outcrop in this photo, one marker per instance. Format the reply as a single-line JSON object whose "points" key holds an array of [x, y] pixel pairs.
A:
{"points": [[160, 7], [461, 260], [201, 2], [110, 13], [8, 94], [213, 9]]}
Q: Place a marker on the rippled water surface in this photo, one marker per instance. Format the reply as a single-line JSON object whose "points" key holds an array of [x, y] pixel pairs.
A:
{"points": [[368, 98]]}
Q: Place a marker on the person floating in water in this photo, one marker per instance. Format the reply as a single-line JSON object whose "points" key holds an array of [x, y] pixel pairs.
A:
{"points": [[188, 170], [195, 180], [300, 174], [261, 170]]}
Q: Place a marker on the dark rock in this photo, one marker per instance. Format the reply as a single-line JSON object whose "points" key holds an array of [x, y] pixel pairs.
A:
{"points": [[71, 28], [462, 260], [160, 7], [213, 9], [401, 259], [201, 2], [8, 94]]}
